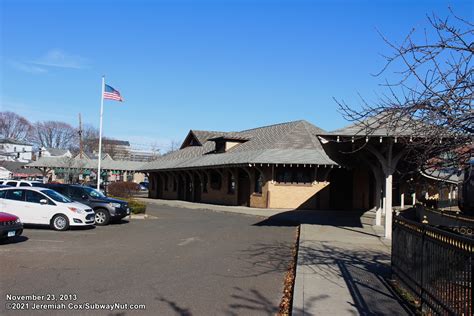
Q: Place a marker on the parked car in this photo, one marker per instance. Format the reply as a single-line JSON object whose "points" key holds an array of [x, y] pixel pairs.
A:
{"points": [[145, 185], [106, 209], [45, 206], [10, 226], [21, 183]]}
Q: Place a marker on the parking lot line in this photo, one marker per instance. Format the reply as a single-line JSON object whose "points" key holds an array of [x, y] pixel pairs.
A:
{"points": [[47, 240]]}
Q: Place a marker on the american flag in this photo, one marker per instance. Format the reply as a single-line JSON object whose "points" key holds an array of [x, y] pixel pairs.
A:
{"points": [[112, 94]]}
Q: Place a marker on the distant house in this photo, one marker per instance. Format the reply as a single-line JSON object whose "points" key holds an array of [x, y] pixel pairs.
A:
{"points": [[15, 150], [16, 170], [55, 152]]}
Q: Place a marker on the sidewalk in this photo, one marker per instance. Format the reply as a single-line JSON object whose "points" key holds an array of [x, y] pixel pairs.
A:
{"points": [[341, 270], [212, 207]]}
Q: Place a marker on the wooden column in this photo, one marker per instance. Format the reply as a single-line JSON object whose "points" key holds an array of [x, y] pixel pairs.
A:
{"points": [[389, 163]]}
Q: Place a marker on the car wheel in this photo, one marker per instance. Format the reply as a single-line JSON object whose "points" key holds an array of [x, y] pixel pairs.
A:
{"points": [[102, 217], [60, 222]]}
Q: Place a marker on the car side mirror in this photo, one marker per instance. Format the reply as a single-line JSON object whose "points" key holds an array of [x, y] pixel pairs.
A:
{"points": [[43, 201]]}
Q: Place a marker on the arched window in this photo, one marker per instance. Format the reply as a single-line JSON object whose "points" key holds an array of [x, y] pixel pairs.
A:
{"points": [[230, 183], [258, 182], [204, 182], [166, 181], [216, 180]]}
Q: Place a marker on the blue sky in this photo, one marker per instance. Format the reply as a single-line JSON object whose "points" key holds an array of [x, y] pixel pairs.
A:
{"points": [[215, 65]]}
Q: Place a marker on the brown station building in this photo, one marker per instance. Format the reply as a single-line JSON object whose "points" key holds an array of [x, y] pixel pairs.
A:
{"points": [[277, 166]]}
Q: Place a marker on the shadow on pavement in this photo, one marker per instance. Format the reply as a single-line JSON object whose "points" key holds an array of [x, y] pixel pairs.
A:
{"points": [[254, 302], [263, 258], [181, 311], [250, 303], [46, 227], [119, 222], [297, 217], [365, 273], [13, 240]]}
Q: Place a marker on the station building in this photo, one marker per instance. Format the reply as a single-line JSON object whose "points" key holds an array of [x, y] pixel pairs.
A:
{"points": [[278, 166]]}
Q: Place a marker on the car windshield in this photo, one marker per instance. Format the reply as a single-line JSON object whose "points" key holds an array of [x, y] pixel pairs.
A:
{"points": [[94, 193], [56, 196]]}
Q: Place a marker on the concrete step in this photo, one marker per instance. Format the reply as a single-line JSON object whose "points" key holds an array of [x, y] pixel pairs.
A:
{"points": [[368, 218]]}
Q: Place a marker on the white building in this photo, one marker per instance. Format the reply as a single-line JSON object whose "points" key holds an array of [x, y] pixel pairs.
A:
{"points": [[15, 150], [55, 152]]}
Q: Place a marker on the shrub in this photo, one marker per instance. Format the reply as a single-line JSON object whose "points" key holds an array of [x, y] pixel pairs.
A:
{"points": [[123, 189], [136, 206]]}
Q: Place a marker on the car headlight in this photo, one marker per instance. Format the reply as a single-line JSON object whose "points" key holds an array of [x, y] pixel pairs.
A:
{"points": [[18, 221], [76, 210], [116, 205]]}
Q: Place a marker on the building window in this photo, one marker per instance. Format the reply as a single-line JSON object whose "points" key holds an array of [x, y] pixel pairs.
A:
{"points": [[220, 147], [194, 142], [230, 183], [258, 182], [216, 180], [294, 175]]}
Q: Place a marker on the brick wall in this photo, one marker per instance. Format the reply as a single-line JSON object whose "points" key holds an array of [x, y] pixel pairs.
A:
{"points": [[293, 195]]}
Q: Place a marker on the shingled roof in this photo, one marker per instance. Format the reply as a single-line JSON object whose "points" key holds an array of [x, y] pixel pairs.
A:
{"points": [[16, 167], [57, 151], [286, 143], [85, 163], [381, 125]]}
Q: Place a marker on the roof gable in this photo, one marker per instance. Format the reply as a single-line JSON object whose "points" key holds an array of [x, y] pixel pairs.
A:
{"points": [[198, 138]]}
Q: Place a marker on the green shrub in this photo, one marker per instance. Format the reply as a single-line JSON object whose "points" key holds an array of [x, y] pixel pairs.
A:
{"points": [[137, 207]]}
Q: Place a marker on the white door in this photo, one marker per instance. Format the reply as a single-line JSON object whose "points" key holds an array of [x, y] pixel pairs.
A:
{"points": [[14, 203], [37, 211]]}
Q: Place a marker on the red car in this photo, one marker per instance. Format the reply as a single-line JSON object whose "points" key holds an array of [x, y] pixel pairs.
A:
{"points": [[10, 226]]}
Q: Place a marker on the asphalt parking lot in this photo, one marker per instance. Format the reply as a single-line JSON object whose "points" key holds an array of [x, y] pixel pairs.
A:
{"points": [[184, 262]]}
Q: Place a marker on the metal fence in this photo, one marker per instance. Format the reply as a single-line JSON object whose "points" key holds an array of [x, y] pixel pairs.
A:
{"points": [[436, 266]]}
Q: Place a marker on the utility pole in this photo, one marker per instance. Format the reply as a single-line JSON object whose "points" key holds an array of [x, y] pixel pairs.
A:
{"points": [[81, 148]]}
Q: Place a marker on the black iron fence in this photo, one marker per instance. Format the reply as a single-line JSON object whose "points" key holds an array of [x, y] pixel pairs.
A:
{"points": [[436, 266]]}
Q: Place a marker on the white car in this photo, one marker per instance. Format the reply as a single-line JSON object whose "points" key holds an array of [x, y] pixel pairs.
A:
{"points": [[21, 183], [45, 206]]}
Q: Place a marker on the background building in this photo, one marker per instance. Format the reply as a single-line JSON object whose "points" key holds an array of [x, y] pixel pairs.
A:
{"points": [[14, 150]]}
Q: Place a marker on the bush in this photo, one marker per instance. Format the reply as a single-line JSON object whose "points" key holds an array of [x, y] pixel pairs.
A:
{"points": [[136, 206], [123, 189]]}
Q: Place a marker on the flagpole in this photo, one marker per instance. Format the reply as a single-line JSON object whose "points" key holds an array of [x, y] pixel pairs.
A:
{"points": [[100, 131]]}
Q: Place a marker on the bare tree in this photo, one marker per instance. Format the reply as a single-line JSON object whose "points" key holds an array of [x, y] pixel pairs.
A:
{"points": [[432, 95], [54, 134], [174, 146], [90, 136], [155, 149], [14, 126]]}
